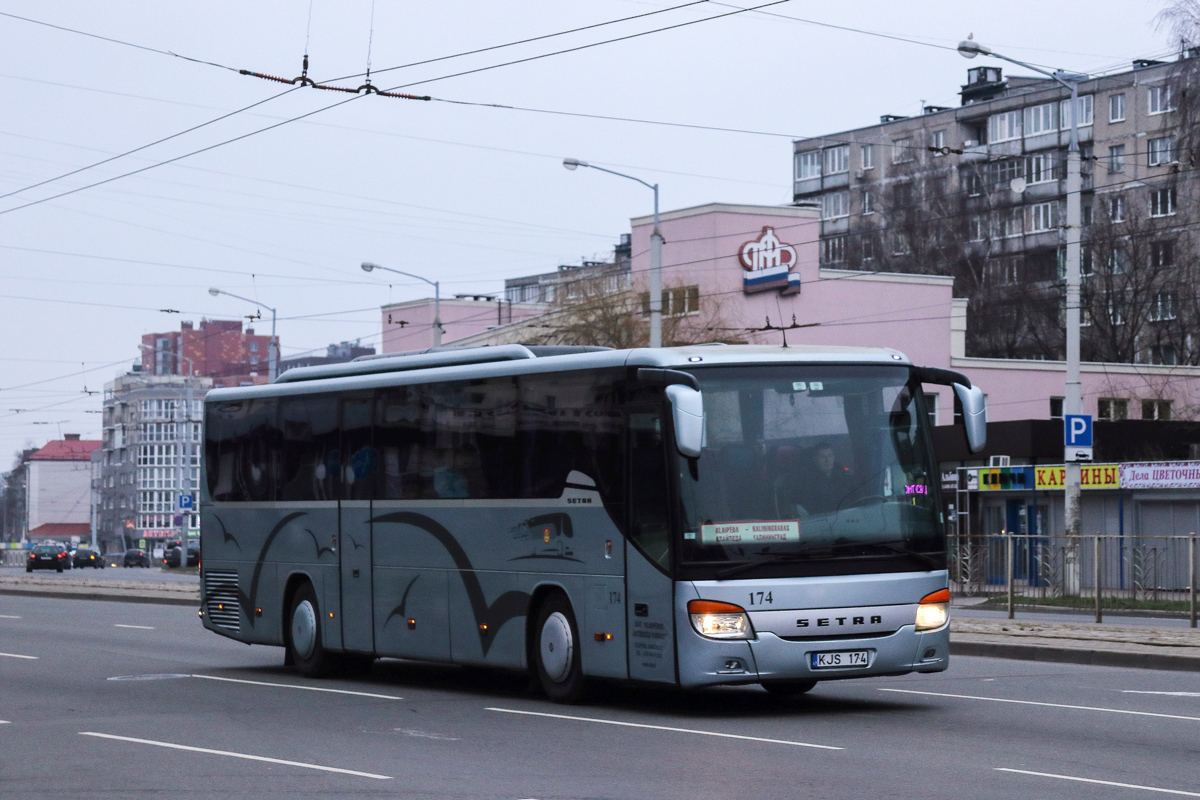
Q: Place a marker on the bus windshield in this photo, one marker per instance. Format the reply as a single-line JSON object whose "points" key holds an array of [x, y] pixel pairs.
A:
{"points": [[808, 463]]}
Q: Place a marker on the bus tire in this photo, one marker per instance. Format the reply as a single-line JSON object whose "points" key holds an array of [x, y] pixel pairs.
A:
{"points": [[304, 640], [788, 688], [559, 665]]}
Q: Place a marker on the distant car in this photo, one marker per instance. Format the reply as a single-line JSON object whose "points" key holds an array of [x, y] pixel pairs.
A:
{"points": [[171, 556], [48, 556], [135, 557], [87, 557]]}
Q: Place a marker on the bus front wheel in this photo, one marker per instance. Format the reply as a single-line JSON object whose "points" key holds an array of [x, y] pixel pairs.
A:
{"points": [[559, 665], [304, 641]]}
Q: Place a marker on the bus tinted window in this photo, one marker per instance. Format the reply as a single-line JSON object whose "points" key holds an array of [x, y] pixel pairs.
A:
{"points": [[312, 459], [241, 445], [360, 470]]}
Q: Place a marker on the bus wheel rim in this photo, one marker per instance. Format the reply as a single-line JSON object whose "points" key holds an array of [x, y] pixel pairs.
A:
{"points": [[557, 647], [304, 629]]}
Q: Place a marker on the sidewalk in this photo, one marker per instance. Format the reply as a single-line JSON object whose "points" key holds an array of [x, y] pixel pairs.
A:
{"points": [[122, 591], [1076, 642]]}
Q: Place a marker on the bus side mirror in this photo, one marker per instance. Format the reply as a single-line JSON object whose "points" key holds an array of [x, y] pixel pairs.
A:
{"points": [[687, 412], [974, 412]]}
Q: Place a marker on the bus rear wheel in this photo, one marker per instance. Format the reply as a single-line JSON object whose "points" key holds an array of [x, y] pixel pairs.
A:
{"points": [[559, 666], [788, 688], [305, 648]]}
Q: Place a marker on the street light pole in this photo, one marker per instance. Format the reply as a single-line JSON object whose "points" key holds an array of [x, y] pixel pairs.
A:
{"points": [[656, 243], [1073, 400], [367, 266], [272, 346]]}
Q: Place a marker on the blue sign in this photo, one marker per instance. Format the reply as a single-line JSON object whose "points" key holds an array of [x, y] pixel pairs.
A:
{"points": [[187, 502], [1077, 430]]}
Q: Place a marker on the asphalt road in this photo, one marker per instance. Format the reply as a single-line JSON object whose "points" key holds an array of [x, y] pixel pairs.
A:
{"points": [[83, 718]]}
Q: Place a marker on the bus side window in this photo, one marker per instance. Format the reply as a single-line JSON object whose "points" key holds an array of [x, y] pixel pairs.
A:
{"points": [[398, 440], [361, 470], [649, 517], [311, 455]]}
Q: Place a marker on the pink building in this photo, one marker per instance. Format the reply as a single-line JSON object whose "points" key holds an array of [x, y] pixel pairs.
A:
{"points": [[409, 326], [754, 264]]}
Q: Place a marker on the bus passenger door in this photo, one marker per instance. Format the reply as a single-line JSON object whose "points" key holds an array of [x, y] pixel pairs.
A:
{"points": [[649, 589], [357, 623]]}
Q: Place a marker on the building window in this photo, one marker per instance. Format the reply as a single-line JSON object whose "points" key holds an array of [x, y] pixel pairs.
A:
{"points": [[868, 156], [253, 360], [1116, 158], [900, 244], [868, 247], [972, 184], [1041, 119], [1112, 409], [1162, 308], [677, 302], [1040, 168], [1056, 408], [1004, 127], [1162, 253], [1043, 217], [837, 159], [1118, 260], [1116, 108], [808, 165], [868, 202], [902, 194], [1116, 208], [937, 141], [1008, 223], [1002, 271], [1085, 111], [1003, 172], [1116, 311], [1160, 100], [1162, 202], [902, 150], [977, 228], [835, 205], [1161, 151], [1157, 409], [254, 347], [833, 250], [931, 404]]}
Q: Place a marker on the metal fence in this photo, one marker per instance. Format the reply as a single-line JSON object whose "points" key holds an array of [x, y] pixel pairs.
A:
{"points": [[1091, 573]]}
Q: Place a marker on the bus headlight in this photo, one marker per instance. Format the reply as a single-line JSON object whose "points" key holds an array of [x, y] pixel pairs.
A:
{"points": [[934, 610], [718, 620]]}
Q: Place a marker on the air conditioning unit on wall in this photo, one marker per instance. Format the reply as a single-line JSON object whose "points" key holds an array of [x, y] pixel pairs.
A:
{"points": [[999, 461]]}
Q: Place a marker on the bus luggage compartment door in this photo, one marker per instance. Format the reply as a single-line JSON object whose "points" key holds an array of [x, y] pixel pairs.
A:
{"points": [[355, 537], [651, 618]]}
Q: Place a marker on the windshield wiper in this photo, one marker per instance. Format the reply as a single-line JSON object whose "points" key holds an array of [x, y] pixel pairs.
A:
{"points": [[893, 546], [768, 558]]}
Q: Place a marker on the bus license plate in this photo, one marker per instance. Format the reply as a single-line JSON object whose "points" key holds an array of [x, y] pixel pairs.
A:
{"points": [[846, 658]]}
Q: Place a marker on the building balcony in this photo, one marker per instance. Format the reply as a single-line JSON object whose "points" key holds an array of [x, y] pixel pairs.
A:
{"points": [[974, 153]]}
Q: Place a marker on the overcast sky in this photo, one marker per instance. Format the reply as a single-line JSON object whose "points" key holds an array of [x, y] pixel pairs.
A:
{"points": [[465, 194]]}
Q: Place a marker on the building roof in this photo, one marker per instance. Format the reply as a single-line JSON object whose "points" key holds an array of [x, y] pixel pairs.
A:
{"points": [[60, 530], [67, 450]]}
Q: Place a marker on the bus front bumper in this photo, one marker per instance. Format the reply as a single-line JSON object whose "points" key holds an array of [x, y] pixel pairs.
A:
{"points": [[768, 657]]}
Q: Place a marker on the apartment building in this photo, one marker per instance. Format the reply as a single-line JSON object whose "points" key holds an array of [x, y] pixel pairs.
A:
{"points": [[978, 192]]}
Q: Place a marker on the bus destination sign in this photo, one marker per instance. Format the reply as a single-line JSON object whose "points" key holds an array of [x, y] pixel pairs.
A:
{"points": [[764, 532]]}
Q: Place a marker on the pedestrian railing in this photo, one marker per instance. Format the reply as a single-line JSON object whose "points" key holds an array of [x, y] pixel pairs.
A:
{"points": [[1091, 573]]}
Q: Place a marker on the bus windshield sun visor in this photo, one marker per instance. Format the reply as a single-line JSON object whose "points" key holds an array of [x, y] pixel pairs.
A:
{"points": [[650, 376]]}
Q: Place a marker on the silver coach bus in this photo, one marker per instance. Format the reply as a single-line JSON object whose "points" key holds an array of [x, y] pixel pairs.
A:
{"points": [[688, 516]]}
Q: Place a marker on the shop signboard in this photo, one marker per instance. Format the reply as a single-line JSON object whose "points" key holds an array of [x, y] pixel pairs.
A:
{"points": [[1094, 476], [1161, 475]]}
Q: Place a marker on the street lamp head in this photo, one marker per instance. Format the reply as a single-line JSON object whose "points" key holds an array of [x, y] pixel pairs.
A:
{"points": [[573, 163], [367, 266], [214, 291], [969, 48]]}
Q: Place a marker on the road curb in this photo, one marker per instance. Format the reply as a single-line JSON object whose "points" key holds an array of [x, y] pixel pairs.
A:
{"points": [[194, 602], [1067, 655]]}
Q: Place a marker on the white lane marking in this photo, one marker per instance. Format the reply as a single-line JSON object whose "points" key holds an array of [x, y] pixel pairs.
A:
{"points": [[665, 728], [246, 756], [14, 655], [423, 735], [1102, 783], [305, 688], [1169, 694], [137, 627], [9, 616], [5, 722], [1046, 705]]}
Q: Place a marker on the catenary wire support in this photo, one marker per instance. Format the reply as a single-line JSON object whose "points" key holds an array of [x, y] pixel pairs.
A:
{"points": [[304, 80]]}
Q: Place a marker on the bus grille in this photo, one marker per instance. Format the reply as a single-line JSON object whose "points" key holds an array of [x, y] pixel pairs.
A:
{"points": [[221, 598]]}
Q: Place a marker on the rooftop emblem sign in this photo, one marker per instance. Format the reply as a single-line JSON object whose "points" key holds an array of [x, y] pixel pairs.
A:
{"points": [[768, 263]]}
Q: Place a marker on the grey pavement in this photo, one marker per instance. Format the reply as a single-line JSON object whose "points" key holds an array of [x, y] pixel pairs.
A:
{"points": [[124, 701]]}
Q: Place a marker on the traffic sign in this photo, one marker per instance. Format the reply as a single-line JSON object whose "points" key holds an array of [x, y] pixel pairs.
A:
{"points": [[186, 502], [1077, 430], [1077, 437]]}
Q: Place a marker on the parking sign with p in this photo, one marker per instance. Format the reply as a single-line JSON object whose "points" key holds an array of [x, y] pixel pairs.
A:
{"points": [[1077, 437]]}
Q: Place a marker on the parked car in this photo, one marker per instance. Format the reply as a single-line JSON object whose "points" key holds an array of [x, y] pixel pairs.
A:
{"points": [[171, 556], [87, 557], [48, 556], [135, 557]]}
